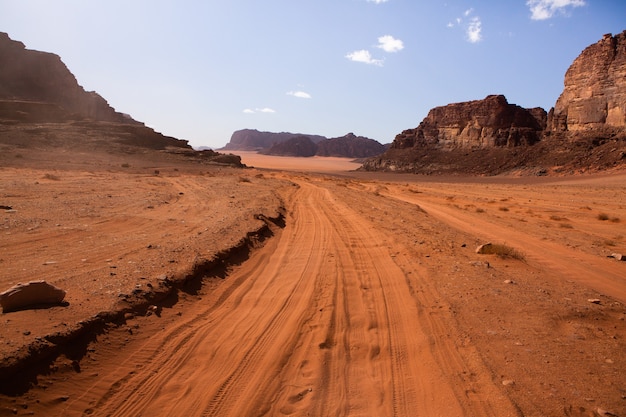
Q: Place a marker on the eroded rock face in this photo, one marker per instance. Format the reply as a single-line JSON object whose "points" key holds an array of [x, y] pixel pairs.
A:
{"points": [[475, 124], [28, 78], [350, 146], [594, 95]]}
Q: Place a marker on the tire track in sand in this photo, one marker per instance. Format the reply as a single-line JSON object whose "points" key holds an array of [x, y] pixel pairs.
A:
{"points": [[320, 321]]}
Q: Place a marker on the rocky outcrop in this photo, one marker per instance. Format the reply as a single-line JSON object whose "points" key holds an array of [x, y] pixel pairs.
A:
{"points": [[350, 146], [475, 124], [297, 146], [29, 78], [254, 140], [594, 96]]}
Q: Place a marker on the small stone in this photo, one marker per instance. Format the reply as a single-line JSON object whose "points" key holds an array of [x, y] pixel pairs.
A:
{"points": [[618, 256], [508, 382], [594, 300], [509, 281]]}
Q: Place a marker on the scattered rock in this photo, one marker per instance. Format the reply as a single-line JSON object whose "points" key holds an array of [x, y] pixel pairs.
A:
{"points": [[34, 293], [508, 382], [618, 256], [594, 300], [509, 281], [6, 208]]}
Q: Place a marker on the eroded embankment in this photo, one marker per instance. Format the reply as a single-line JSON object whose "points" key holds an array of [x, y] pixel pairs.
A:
{"points": [[20, 369]]}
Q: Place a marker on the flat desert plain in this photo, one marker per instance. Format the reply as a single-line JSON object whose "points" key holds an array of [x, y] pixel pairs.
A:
{"points": [[292, 289]]}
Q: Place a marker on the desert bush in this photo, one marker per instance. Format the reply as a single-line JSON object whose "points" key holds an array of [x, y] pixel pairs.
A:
{"points": [[244, 179], [614, 219], [125, 165], [503, 251], [503, 209], [52, 177], [558, 218], [603, 216], [479, 210]]}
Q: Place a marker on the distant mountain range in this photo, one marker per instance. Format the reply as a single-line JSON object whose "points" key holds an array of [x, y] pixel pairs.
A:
{"points": [[302, 145]]}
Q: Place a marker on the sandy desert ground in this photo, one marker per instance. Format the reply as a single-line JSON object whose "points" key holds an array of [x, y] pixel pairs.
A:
{"points": [[348, 293]]}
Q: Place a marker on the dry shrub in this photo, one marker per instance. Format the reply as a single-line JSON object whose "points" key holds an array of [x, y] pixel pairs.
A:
{"points": [[603, 216], [244, 179], [51, 177], [566, 226], [503, 209], [479, 210], [503, 251]]}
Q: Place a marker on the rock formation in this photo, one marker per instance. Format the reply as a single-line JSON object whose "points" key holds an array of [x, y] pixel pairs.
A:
{"points": [[350, 146], [36, 84], [594, 96], [254, 140], [585, 131], [296, 144], [475, 124]]}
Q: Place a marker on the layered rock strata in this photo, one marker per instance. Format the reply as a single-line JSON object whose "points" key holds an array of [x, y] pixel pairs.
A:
{"points": [[594, 94], [475, 124]]}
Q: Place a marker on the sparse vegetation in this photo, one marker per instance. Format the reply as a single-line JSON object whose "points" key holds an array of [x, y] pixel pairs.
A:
{"points": [[558, 218], [566, 226], [244, 179], [503, 251], [51, 177], [603, 216], [503, 209], [614, 219], [125, 165], [479, 210]]}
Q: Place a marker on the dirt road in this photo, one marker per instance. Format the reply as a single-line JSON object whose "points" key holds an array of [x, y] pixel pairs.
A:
{"points": [[369, 300]]}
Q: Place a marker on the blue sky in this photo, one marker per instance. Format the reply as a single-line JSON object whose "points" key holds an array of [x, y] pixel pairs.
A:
{"points": [[199, 70]]}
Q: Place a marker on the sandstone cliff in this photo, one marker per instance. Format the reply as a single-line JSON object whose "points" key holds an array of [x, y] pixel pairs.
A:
{"points": [[350, 146], [296, 144], [36, 84], [594, 96], [475, 124], [254, 140]]}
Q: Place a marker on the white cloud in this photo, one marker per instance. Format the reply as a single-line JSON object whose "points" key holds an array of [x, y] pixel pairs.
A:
{"points": [[468, 12], [377, 1], [545, 9], [474, 30], [259, 110], [365, 57], [389, 44], [299, 94]]}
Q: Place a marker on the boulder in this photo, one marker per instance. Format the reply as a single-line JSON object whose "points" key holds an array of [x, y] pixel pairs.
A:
{"points": [[29, 295]]}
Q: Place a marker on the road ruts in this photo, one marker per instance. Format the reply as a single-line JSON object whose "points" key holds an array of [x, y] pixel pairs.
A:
{"points": [[319, 322]]}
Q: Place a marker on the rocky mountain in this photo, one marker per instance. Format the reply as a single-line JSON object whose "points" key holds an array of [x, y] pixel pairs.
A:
{"points": [[43, 106], [297, 144], [347, 146], [475, 124], [585, 131], [594, 96], [350, 146], [254, 140], [38, 85]]}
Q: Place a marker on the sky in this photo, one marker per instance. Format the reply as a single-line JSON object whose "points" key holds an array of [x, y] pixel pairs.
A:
{"points": [[200, 70]]}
